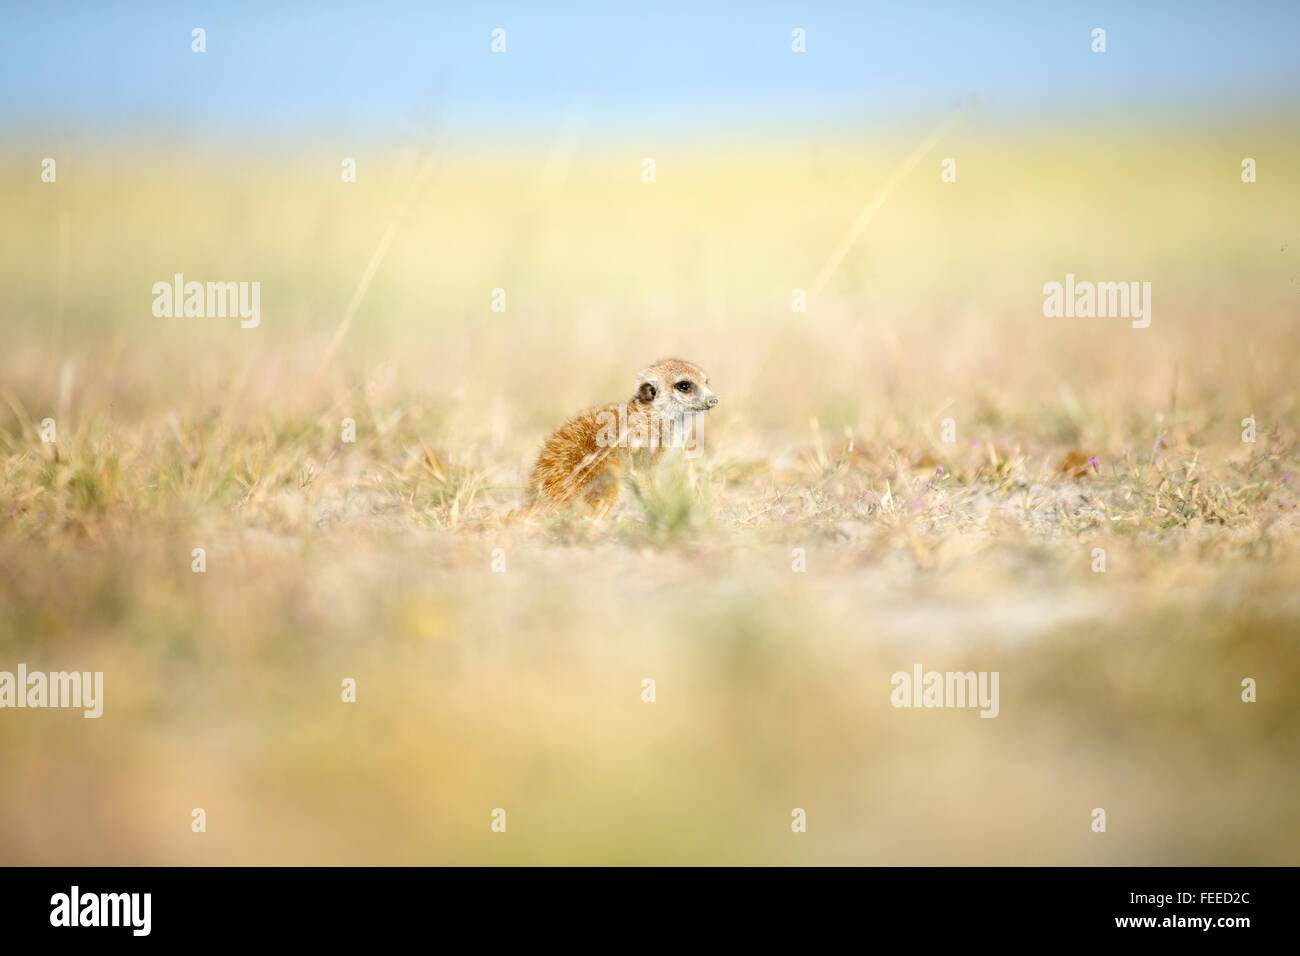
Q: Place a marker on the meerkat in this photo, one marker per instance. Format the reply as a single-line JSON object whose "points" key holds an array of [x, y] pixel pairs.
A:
{"points": [[585, 458]]}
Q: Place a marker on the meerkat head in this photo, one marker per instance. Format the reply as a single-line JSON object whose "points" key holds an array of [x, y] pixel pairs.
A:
{"points": [[675, 387]]}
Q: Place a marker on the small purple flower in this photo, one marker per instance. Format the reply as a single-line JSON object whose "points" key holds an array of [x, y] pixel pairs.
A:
{"points": [[1093, 461], [1286, 479], [939, 470]]}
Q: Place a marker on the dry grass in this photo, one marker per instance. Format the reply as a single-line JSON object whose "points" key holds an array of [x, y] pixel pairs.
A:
{"points": [[522, 690]]}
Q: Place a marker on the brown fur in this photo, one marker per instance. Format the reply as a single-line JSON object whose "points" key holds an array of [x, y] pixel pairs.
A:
{"points": [[580, 462]]}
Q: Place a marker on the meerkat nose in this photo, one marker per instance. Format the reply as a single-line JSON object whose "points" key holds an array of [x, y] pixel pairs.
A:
{"points": [[713, 400]]}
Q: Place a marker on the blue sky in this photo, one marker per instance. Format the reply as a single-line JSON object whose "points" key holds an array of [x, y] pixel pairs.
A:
{"points": [[396, 68]]}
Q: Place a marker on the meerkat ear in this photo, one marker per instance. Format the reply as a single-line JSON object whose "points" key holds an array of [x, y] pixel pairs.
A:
{"points": [[647, 392]]}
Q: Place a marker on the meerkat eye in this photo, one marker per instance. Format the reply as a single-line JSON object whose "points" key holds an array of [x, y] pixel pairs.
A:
{"points": [[683, 386]]}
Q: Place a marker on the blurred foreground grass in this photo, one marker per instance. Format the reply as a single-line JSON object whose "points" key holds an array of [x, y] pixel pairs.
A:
{"points": [[522, 690]]}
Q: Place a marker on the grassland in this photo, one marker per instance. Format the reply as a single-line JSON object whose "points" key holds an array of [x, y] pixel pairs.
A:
{"points": [[372, 559]]}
